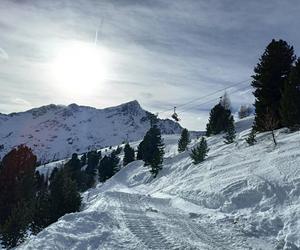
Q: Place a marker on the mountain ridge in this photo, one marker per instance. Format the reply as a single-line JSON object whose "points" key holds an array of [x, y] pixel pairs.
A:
{"points": [[56, 131]]}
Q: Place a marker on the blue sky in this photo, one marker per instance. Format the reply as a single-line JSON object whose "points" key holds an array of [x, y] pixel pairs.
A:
{"points": [[162, 53]]}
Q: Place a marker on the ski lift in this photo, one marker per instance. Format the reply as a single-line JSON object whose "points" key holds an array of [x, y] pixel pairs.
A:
{"points": [[175, 116]]}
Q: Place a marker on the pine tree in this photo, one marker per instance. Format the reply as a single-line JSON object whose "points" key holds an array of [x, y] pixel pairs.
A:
{"points": [[145, 148], [230, 132], [270, 75], [199, 152], [83, 159], [13, 231], [93, 158], [73, 166], [71, 197], [64, 197], [115, 161], [128, 154], [151, 150], [158, 153], [219, 118], [56, 196], [251, 138], [17, 179], [42, 210], [105, 169], [109, 166], [156, 164], [39, 180], [290, 101], [118, 150], [184, 140], [141, 150]]}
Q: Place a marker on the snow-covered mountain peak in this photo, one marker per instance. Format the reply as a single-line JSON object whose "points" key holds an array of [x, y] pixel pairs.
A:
{"points": [[132, 108], [128, 108]]}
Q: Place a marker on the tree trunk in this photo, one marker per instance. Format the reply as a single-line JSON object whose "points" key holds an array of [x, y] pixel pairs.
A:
{"points": [[274, 140]]}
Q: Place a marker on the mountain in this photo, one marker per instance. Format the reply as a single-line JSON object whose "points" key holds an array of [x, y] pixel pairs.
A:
{"points": [[56, 131], [240, 197]]}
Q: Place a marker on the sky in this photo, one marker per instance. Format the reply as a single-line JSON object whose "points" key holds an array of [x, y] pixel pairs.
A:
{"points": [[162, 53]]}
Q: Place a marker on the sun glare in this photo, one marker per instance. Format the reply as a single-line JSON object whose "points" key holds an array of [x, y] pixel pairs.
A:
{"points": [[80, 68]]}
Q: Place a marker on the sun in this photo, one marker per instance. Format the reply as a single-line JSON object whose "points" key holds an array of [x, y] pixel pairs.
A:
{"points": [[80, 68]]}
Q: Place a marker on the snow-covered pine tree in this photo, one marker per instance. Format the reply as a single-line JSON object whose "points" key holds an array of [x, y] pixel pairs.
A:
{"points": [[184, 140], [230, 131], [129, 155], [200, 151]]}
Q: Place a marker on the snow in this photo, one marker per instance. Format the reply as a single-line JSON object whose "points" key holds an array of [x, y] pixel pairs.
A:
{"points": [[241, 197], [55, 132]]}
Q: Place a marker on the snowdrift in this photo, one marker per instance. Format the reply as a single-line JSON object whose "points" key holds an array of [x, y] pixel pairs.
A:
{"points": [[241, 197]]}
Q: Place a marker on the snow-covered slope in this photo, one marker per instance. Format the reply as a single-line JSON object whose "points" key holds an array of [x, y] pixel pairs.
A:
{"points": [[241, 197], [55, 132]]}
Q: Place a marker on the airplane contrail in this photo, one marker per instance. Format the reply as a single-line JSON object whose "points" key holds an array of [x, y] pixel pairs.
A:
{"points": [[97, 31], [3, 54]]}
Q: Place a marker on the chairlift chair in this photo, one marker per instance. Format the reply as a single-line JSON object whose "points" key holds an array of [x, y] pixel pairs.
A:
{"points": [[175, 115]]}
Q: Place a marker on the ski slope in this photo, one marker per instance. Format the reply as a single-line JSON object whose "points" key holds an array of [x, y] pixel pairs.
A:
{"points": [[241, 197]]}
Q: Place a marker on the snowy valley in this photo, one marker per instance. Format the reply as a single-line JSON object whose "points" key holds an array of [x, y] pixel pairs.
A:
{"points": [[240, 197]]}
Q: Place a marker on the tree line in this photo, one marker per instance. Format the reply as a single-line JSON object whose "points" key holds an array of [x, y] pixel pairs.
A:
{"points": [[30, 201]]}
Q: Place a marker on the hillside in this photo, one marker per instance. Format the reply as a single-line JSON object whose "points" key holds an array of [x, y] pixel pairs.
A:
{"points": [[241, 197], [55, 132]]}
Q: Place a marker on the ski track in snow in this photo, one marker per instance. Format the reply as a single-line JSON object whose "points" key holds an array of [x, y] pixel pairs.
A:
{"points": [[157, 225]]}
